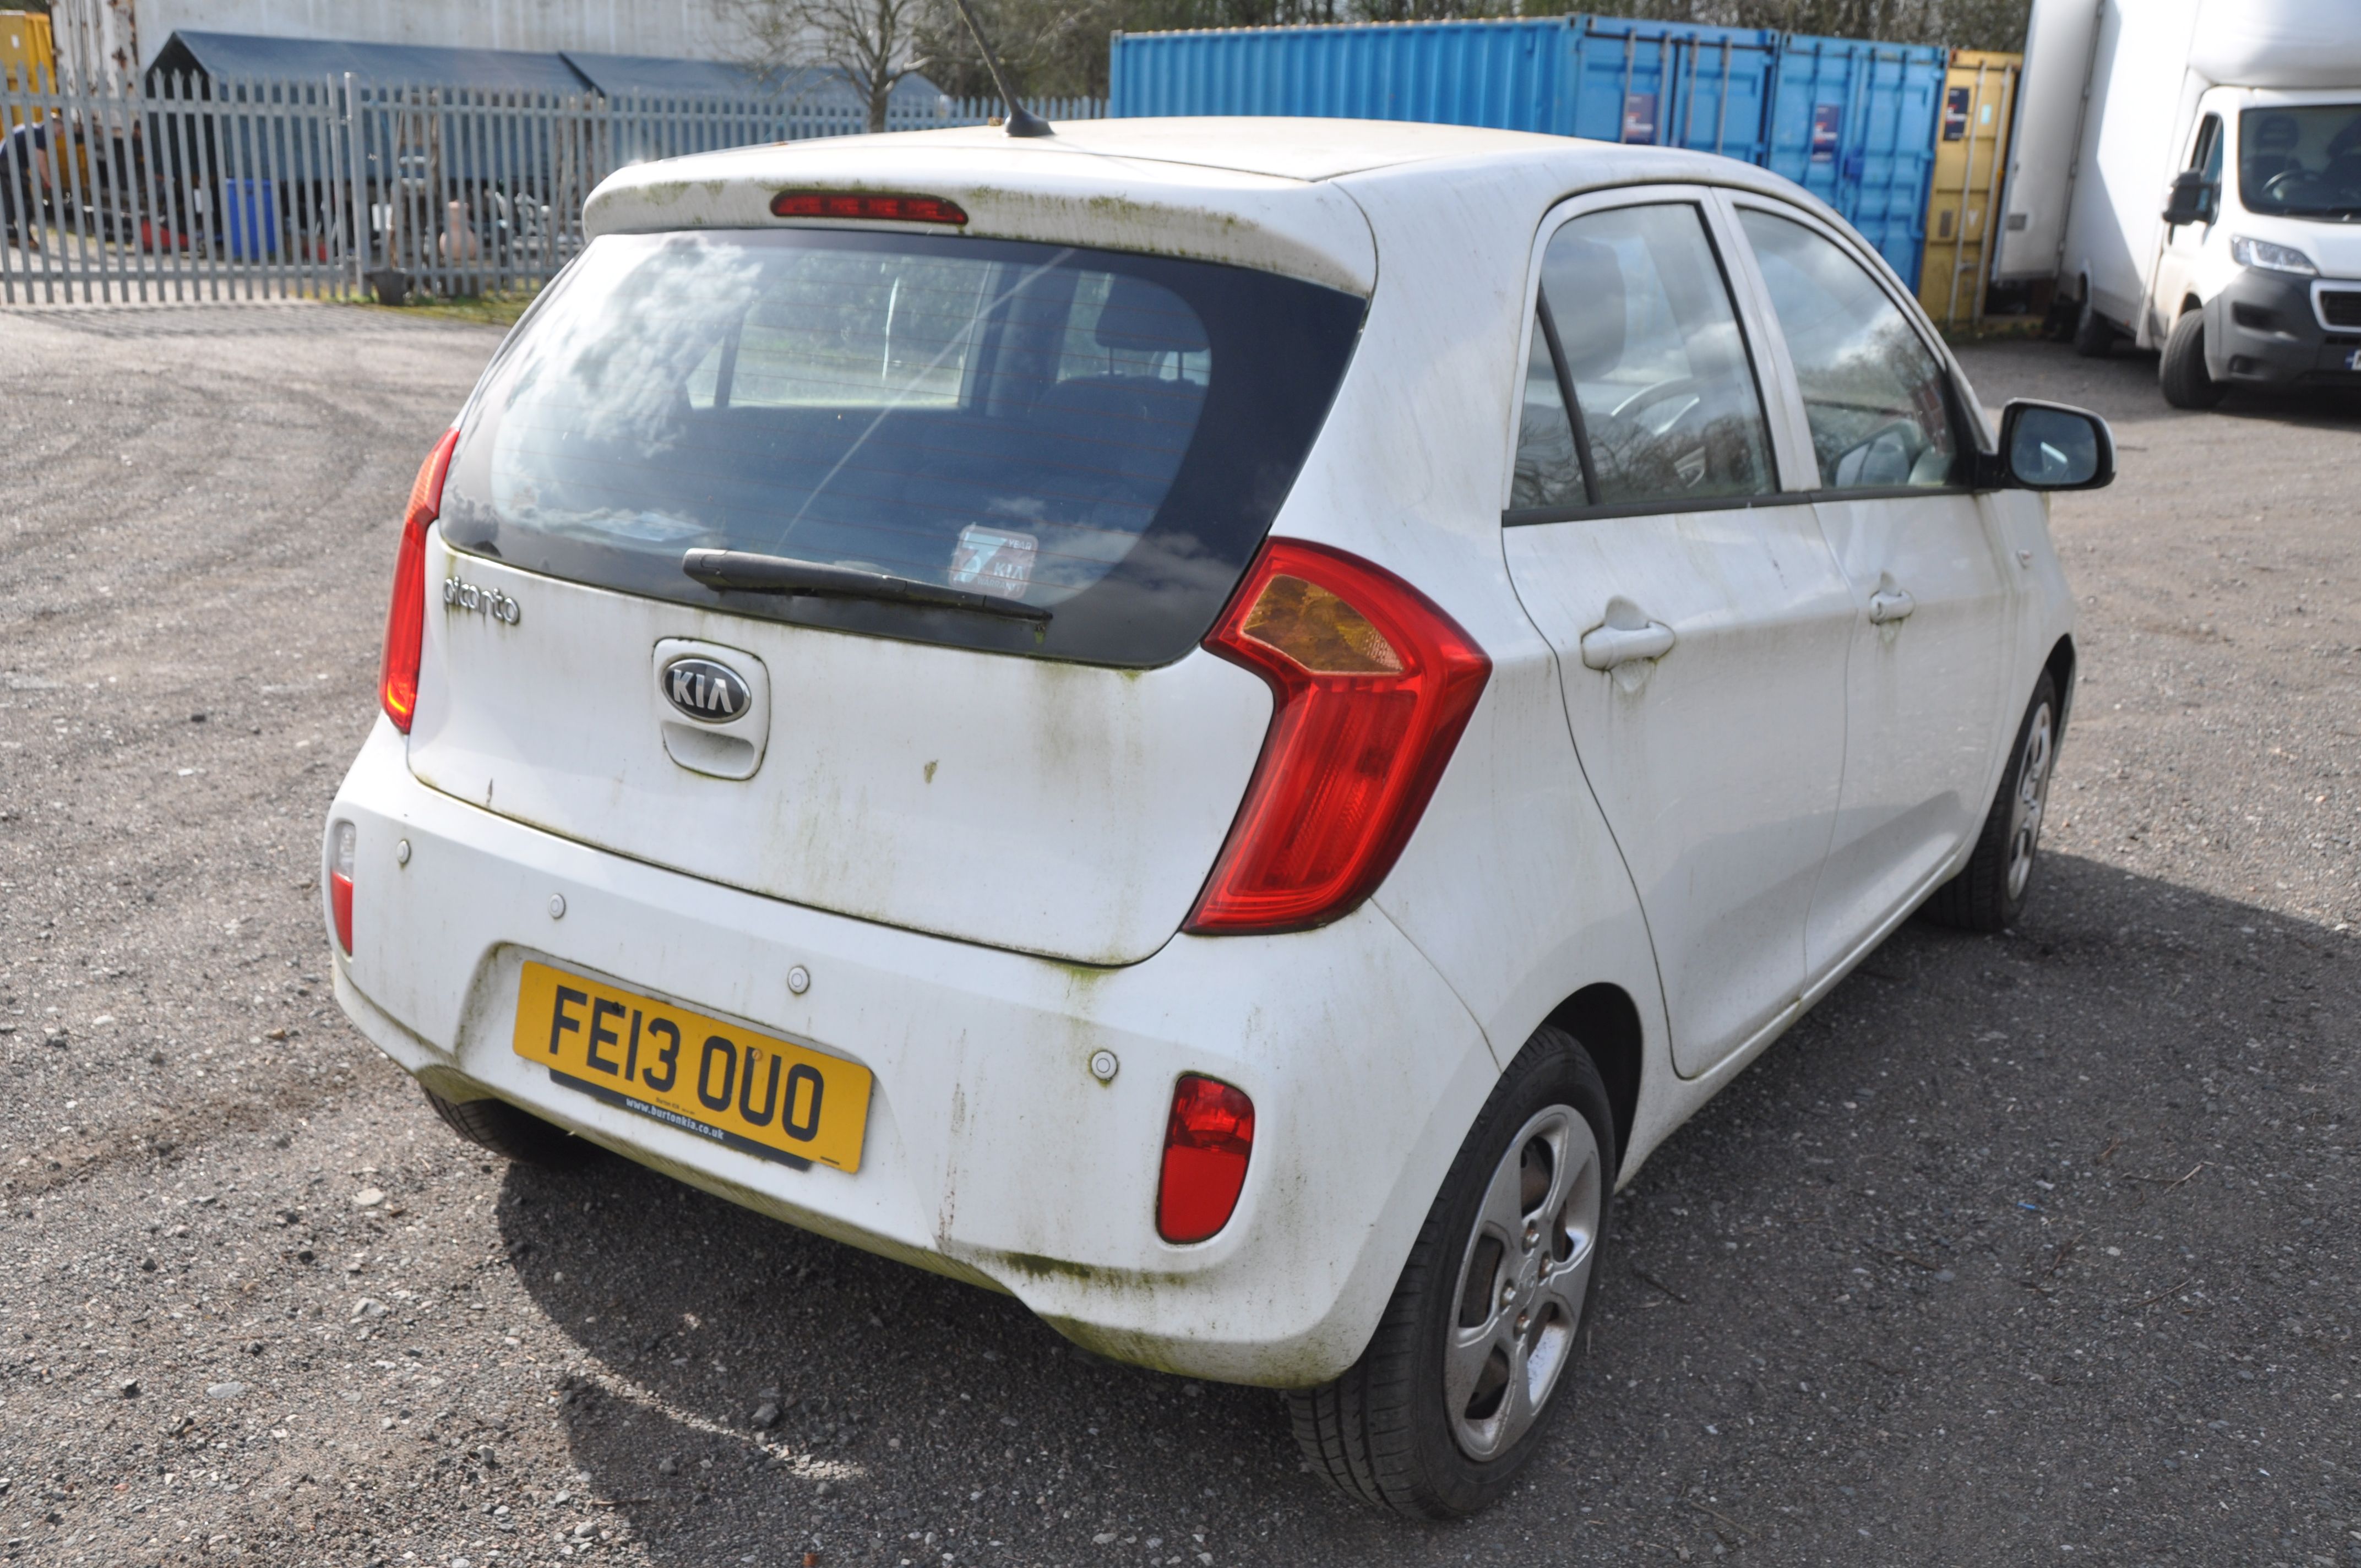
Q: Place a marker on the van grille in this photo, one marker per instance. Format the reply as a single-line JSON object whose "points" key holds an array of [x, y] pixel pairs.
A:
{"points": [[2340, 307]]}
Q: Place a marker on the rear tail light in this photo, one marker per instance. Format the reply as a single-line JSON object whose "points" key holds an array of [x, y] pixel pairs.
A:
{"points": [[1373, 685], [340, 883], [405, 618], [1206, 1144]]}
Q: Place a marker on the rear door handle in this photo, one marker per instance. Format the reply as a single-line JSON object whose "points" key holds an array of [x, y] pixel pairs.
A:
{"points": [[1892, 604], [1604, 647]]}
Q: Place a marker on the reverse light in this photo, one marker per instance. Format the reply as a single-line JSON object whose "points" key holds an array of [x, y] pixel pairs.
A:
{"points": [[340, 883], [1207, 1142], [1372, 685], [405, 618], [2270, 257], [866, 204]]}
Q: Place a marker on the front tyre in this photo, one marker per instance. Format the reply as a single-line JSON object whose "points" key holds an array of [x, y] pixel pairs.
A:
{"points": [[2181, 373], [1475, 1351], [1989, 890]]}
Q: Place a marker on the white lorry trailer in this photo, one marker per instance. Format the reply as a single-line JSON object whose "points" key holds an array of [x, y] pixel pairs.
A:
{"points": [[2188, 174]]}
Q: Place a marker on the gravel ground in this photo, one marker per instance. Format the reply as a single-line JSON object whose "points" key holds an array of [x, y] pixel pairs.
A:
{"points": [[2034, 1248]]}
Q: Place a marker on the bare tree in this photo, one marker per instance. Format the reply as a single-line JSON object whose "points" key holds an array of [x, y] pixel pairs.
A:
{"points": [[870, 45]]}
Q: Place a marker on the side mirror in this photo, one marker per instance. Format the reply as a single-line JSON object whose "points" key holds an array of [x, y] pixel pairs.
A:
{"points": [[2048, 446], [2191, 199]]}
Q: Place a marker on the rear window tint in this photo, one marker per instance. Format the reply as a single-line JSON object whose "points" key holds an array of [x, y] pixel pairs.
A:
{"points": [[1103, 436]]}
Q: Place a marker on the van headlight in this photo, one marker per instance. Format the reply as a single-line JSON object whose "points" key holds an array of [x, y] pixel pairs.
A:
{"points": [[2270, 257]]}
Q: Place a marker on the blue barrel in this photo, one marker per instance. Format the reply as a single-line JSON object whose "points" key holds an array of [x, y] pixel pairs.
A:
{"points": [[1853, 122], [250, 219], [1674, 84], [1509, 74]]}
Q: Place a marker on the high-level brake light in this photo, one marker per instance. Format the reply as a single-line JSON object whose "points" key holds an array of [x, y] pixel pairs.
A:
{"points": [[867, 205], [405, 618], [1373, 685], [1207, 1141]]}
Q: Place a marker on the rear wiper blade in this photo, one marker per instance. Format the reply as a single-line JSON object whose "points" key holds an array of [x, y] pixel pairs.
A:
{"points": [[747, 572]]}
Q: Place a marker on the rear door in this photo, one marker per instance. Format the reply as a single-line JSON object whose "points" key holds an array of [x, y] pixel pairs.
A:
{"points": [[1700, 623], [867, 570], [1932, 626]]}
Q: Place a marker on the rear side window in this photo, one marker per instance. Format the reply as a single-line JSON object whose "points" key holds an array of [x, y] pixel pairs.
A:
{"points": [[1636, 322], [1102, 436], [1875, 396]]}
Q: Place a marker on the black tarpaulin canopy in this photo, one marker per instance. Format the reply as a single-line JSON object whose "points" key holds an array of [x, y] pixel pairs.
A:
{"points": [[651, 76], [245, 57]]}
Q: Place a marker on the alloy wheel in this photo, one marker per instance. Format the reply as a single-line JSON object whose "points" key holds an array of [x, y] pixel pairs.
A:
{"points": [[1524, 1278], [2032, 796]]}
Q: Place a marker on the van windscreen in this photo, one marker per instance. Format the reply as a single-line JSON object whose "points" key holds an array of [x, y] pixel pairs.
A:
{"points": [[1102, 436], [2303, 162]]}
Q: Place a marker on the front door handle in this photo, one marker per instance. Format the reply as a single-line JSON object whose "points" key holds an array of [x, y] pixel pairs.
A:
{"points": [[1891, 604], [1604, 647]]}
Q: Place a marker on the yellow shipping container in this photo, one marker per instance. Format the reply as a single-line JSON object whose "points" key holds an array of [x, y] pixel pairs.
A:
{"points": [[29, 57], [1971, 151]]}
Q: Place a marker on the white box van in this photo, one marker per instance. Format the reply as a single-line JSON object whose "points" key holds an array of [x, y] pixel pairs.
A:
{"points": [[2189, 172]]}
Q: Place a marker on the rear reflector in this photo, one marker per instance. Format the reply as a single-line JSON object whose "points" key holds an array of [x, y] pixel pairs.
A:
{"points": [[859, 204], [1372, 685], [340, 883], [405, 618], [1206, 1144]]}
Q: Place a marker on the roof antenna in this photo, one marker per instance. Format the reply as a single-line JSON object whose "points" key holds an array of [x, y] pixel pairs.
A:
{"points": [[1022, 121]]}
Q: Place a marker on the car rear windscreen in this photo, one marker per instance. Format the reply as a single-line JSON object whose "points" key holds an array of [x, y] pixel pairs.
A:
{"points": [[1105, 437]]}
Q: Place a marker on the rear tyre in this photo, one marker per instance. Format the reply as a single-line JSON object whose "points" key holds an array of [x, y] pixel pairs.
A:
{"points": [[510, 1133], [1476, 1353], [1991, 890], [2182, 372], [2093, 338]]}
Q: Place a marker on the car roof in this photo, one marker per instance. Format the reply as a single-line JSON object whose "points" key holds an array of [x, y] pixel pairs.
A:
{"points": [[1264, 192], [1288, 149]]}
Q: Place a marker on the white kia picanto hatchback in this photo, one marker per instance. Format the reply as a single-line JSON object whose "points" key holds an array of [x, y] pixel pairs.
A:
{"points": [[1217, 724]]}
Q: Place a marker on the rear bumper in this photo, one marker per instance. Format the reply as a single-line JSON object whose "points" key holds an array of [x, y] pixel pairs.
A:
{"points": [[992, 1154], [2261, 330]]}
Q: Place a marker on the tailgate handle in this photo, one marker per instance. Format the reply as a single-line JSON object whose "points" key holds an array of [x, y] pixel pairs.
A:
{"points": [[1605, 647]]}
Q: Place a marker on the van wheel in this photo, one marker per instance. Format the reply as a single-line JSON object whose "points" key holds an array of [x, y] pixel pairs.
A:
{"points": [[2093, 338], [1476, 1350], [1990, 892], [510, 1133], [2187, 383]]}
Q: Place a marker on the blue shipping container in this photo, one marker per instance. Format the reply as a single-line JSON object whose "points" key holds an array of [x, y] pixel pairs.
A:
{"points": [[1853, 122], [1671, 84], [1510, 76]]}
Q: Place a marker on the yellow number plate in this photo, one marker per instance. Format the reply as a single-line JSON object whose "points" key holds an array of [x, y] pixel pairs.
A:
{"points": [[752, 1092]]}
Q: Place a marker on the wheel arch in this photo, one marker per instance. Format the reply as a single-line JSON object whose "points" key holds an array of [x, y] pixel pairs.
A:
{"points": [[2061, 668], [1606, 1021]]}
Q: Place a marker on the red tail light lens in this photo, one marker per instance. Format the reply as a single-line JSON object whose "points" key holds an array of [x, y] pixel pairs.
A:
{"points": [[340, 883], [1207, 1143], [1374, 685], [405, 618]]}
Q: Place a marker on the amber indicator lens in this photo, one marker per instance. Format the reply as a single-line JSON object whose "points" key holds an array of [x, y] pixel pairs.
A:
{"points": [[866, 204], [1319, 631]]}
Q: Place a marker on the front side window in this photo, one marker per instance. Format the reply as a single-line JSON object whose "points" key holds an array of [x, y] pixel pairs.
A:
{"points": [[1102, 437], [2206, 159], [1874, 393], [2302, 162], [1636, 323]]}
